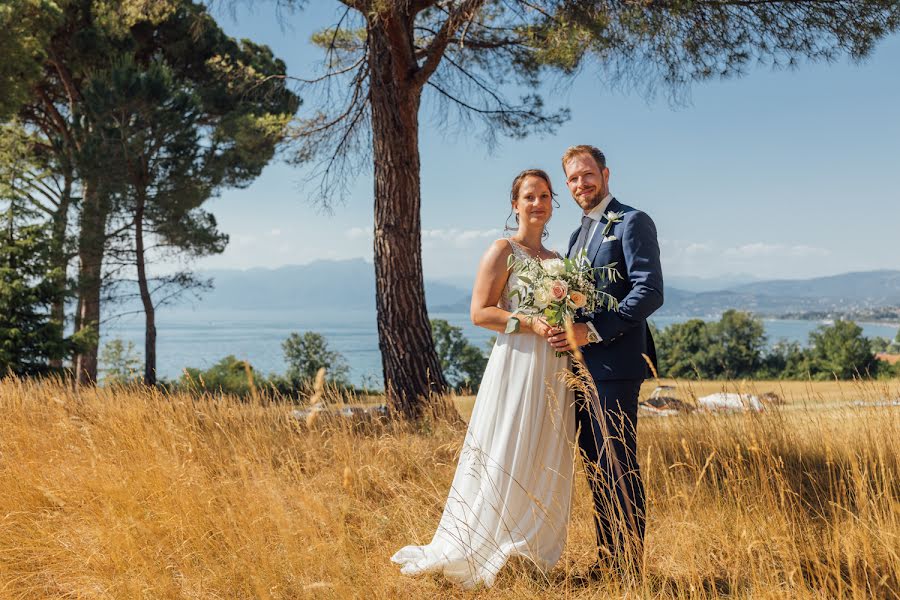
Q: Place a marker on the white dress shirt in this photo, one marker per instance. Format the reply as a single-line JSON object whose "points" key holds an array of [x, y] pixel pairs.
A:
{"points": [[596, 213]]}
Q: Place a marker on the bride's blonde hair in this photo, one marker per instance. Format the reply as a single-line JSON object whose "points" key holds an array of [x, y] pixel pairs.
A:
{"points": [[514, 193]]}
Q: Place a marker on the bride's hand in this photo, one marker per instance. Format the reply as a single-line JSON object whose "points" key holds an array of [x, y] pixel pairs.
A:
{"points": [[539, 326]]}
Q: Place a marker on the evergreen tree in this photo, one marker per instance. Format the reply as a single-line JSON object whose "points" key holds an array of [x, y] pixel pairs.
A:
{"points": [[120, 363], [29, 338]]}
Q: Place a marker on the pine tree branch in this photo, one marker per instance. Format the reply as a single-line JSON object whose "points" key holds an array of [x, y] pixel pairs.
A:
{"points": [[464, 13]]}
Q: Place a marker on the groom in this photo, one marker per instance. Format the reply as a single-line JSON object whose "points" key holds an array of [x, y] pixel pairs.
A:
{"points": [[613, 342]]}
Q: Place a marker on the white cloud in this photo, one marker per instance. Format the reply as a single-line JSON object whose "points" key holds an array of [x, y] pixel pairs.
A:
{"points": [[460, 238], [275, 232], [706, 258], [685, 247], [694, 248], [355, 233]]}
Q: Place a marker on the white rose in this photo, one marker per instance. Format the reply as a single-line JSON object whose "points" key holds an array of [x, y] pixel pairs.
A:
{"points": [[542, 297], [554, 266]]}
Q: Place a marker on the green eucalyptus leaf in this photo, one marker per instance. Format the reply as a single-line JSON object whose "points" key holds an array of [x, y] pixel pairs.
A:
{"points": [[512, 325]]}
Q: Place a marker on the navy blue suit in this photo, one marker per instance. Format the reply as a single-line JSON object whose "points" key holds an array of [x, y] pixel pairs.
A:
{"points": [[617, 367]]}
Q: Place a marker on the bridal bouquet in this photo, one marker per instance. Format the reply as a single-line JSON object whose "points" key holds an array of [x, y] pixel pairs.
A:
{"points": [[554, 288]]}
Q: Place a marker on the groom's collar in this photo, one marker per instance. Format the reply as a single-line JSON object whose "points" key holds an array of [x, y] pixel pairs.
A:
{"points": [[598, 211]]}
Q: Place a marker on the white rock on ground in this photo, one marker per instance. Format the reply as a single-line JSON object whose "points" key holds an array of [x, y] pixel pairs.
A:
{"points": [[730, 401]]}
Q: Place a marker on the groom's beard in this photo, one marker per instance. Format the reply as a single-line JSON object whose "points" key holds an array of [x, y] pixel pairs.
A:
{"points": [[591, 202]]}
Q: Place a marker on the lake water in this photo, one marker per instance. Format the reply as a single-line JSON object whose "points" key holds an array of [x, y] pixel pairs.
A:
{"points": [[199, 338]]}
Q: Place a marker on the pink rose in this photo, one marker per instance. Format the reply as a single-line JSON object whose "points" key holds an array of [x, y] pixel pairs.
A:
{"points": [[578, 299], [558, 290]]}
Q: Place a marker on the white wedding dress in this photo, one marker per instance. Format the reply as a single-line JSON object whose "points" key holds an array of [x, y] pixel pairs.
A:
{"points": [[513, 484]]}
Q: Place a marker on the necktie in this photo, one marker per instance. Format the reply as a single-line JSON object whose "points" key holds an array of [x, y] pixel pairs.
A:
{"points": [[580, 243]]}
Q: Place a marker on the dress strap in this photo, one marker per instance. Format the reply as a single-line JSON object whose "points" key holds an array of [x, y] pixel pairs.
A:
{"points": [[517, 249]]}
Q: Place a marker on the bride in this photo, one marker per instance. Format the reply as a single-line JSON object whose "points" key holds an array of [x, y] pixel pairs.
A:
{"points": [[512, 489]]}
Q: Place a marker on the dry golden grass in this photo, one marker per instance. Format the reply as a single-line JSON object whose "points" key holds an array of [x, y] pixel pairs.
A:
{"points": [[795, 394], [129, 493]]}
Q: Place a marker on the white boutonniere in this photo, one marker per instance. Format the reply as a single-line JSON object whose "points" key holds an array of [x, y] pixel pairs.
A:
{"points": [[612, 218]]}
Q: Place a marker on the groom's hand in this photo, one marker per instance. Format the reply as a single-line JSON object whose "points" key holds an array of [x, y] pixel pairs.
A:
{"points": [[560, 341]]}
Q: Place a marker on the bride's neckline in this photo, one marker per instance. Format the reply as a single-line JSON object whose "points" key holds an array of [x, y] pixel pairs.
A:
{"points": [[529, 251]]}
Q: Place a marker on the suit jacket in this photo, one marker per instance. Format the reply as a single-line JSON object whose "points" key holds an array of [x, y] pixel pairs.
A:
{"points": [[639, 291]]}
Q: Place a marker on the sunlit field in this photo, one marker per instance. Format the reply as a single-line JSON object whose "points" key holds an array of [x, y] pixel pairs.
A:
{"points": [[126, 493]]}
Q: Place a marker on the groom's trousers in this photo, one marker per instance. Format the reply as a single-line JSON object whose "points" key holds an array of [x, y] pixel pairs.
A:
{"points": [[608, 443]]}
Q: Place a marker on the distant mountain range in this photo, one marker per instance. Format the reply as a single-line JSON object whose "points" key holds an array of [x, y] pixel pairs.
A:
{"points": [[846, 293], [337, 284], [350, 285], [708, 284]]}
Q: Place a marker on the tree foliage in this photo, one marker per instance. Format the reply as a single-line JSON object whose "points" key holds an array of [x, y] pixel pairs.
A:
{"points": [[120, 363], [890, 346], [738, 340], [29, 338], [840, 351], [230, 375], [471, 56], [463, 363], [684, 350], [735, 347], [308, 352], [141, 110], [26, 26]]}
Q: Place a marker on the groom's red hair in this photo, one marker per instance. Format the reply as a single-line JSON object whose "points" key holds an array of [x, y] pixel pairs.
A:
{"points": [[592, 151]]}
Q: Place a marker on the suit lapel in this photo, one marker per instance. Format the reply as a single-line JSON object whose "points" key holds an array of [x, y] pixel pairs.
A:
{"points": [[597, 240]]}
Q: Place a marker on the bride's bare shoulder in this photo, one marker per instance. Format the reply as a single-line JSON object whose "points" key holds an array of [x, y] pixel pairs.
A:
{"points": [[499, 248], [496, 254]]}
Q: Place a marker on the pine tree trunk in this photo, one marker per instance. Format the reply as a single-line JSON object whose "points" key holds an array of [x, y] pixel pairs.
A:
{"points": [[91, 246], [149, 311], [412, 371]]}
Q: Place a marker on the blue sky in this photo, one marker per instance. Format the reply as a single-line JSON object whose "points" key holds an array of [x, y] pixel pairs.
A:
{"points": [[775, 175]]}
